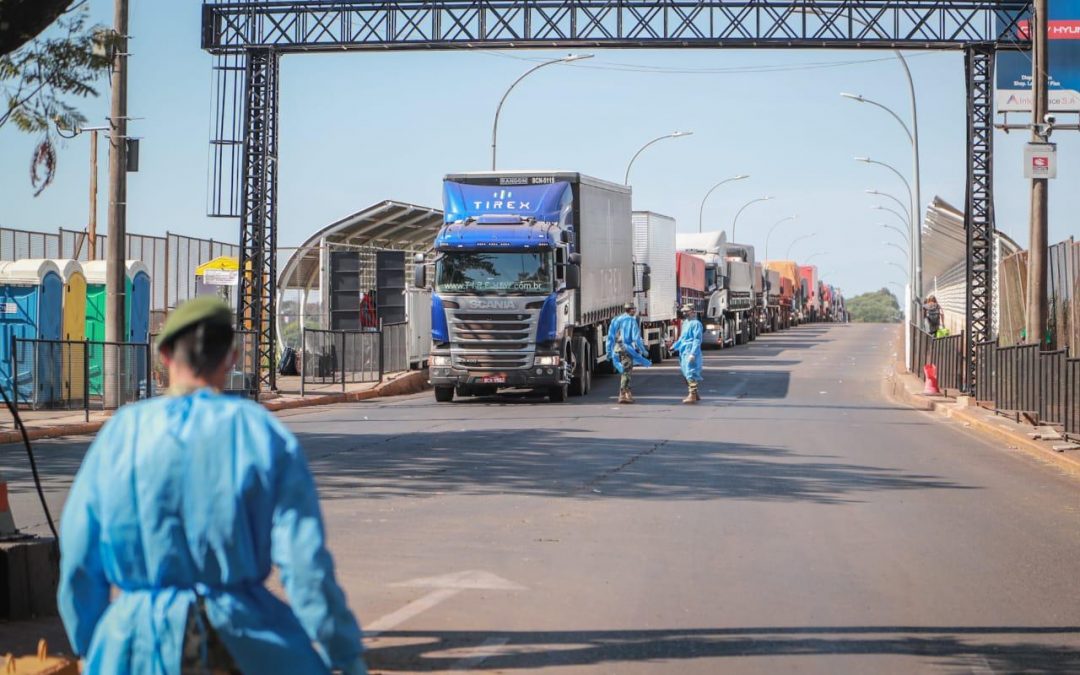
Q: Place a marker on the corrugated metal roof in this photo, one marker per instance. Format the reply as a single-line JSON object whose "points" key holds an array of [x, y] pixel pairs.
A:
{"points": [[389, 224]]}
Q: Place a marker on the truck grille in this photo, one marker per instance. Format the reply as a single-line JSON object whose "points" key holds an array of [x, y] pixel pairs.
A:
{"points": [[492, 340]]}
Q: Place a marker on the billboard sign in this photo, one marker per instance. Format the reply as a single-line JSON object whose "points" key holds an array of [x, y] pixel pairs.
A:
{"points": [[1014, 68]]}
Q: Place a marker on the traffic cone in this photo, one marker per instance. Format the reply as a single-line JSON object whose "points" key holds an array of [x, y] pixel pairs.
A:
{"points": [[7, 521], [931, 388]]}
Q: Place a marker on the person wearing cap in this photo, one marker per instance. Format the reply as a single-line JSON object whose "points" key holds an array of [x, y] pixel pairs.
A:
{"points": [[689, 348], [180, 509], [626, 348]]}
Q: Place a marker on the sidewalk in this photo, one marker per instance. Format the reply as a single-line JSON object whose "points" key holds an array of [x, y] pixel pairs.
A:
{"points": [[1040, 442], [54, 423]]}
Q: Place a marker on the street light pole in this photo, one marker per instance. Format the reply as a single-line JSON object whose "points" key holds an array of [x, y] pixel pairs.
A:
{"points": [[735, 221], [897, 230], [701, 211], [674, 134], [787, 254], [905, 221], [116, 255], [1040, 187], [905, 207], [769, 235], [495, 125]]}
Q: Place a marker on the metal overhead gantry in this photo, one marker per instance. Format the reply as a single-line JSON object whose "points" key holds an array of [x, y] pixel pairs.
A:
{"points": [[248, 38]]}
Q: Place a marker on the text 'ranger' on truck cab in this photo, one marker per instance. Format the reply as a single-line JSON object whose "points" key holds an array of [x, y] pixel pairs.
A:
{"points": [[528, 269]]}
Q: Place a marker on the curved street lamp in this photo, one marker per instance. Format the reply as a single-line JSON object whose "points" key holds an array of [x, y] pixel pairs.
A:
{"points": [[906, 208], [674, 134], [767, 236], [814, 255], [739, 212], [867, 160], [796, 241], [898, 230], [898, 247], [569, 58], [701, 211], [905, 221]]}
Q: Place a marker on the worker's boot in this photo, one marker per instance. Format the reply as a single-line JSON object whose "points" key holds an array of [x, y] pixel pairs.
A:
{"points": [[691, 397], [622, 396], [629, 397], [696, 395]]}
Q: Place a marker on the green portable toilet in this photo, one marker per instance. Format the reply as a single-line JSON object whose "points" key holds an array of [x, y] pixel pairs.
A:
{"points": [[136, 318]]}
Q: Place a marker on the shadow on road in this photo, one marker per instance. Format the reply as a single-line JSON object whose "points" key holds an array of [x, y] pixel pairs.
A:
{"points": [[578, 465], [1009, 649]]}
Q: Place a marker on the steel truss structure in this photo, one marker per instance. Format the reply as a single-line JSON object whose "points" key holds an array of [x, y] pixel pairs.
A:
{"points": [[249, 37], [979, 209]]}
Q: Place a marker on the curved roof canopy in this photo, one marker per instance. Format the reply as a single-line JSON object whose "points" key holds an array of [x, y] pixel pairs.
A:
{"points": [[389, 224]]}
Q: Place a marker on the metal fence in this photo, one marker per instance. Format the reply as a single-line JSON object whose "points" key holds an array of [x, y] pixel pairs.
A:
{"points": [[240, 380], [171, 259], [944, 353], [71, 374], [1022, 380], [395, 347], [340, 357]]}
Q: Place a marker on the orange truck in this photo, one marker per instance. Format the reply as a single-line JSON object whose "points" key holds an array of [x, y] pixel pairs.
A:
{"points": [[790, 290]]}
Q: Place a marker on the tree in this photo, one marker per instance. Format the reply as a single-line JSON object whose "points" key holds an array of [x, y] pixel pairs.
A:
{"points": [[875, 307], [39, 79]]}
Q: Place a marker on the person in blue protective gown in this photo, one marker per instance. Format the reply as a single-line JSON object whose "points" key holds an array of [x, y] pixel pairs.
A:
{"points": [[626, 346], [689, 348], [182, 506]]}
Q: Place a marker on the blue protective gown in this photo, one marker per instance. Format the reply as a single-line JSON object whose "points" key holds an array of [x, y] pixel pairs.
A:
{"points": [[631, 341], [190, 494], [689, 347]]}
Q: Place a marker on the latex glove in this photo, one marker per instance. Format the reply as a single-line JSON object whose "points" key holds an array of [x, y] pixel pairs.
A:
{"points": [[692, 358]]}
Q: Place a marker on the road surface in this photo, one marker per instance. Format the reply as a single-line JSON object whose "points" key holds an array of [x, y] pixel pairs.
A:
{"points": [[794, 521]]}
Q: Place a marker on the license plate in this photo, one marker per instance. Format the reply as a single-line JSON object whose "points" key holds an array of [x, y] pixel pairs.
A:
{"points": [[493, 379]]}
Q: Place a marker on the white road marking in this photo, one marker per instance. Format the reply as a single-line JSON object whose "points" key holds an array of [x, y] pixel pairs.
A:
{"points": [[446, 586], [486, 650], [418, 606]]}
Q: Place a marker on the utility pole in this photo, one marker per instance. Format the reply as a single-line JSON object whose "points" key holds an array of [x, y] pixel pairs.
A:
{"points": [[116, 254], [91, 224], [1040, 187]]}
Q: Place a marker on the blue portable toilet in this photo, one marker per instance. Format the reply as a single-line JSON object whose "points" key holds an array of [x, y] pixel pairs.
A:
{"points": [[31, 308]]}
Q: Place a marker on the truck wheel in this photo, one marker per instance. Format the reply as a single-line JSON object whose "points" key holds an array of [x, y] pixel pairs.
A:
{"points": [[444, 394], [578, 384], [558, 393], [656, 353]]}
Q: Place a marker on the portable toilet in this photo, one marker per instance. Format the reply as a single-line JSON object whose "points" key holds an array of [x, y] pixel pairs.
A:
{"points": [[136, 315], [72, 328], [31, 308]]}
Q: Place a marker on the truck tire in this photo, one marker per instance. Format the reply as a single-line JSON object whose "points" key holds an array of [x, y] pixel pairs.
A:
{"points": [[558, 393], [579, 385], [444, 394], [656, 353]]}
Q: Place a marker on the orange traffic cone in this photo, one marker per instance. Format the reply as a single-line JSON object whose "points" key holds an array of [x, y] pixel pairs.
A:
{"points": [[7, 521], [931, 388]]}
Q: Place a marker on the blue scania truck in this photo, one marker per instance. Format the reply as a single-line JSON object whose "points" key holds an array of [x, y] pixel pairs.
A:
{"points": [[529, 268]]}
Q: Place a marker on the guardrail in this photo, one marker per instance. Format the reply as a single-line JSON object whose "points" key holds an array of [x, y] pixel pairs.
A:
{"points": [[343, 357]]}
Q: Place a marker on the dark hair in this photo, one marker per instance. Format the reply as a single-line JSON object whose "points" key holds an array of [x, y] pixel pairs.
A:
{"points": [[203, 347]]}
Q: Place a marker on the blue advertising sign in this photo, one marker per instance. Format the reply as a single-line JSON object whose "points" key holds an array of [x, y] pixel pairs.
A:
{"points": [[1014, 68], [545, 203]]}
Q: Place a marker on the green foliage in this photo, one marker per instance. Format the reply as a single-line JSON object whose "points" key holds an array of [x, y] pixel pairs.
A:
{"points": [[39, 81], [875, 307]]}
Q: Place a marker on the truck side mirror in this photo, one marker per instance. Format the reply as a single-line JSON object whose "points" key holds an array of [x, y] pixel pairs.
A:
{"points": [[573, 277], [419, 271], [646, 279], [575, 259]]}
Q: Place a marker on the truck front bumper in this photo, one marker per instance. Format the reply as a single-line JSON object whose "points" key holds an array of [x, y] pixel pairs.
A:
{"points": [[711, 337], [525, 378]]}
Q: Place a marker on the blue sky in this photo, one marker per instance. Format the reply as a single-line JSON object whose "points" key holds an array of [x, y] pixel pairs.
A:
{"points": [[360, 128]]}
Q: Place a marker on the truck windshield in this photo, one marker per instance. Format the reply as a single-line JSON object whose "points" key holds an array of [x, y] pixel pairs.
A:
{"points": [[494, 273]]}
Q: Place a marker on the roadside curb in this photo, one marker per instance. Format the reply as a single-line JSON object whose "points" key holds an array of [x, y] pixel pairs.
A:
{"points": [[410, 383], [979, 420]]}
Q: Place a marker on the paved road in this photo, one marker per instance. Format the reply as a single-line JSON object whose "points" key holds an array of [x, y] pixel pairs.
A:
{"points": [[795, 521]]}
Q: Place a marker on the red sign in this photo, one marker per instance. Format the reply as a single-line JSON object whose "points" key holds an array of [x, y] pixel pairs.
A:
{"points": [[1061, 29], [1040, 163]]}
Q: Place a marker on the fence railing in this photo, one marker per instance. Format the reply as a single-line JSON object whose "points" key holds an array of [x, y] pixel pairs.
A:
{"points": [[944, 353], [343, 357], [1021, 380], [71, 374]]}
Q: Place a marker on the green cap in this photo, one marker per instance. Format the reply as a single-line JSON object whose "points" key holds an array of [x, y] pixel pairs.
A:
{"points": [[207, 309]]}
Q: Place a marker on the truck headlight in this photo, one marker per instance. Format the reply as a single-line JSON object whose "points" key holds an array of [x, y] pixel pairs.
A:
{"points": [[711, 326], [440, 360], [546, 360]]}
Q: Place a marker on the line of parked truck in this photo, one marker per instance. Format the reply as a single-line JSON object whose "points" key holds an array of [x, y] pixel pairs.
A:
{"points": [[530, 267]]}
